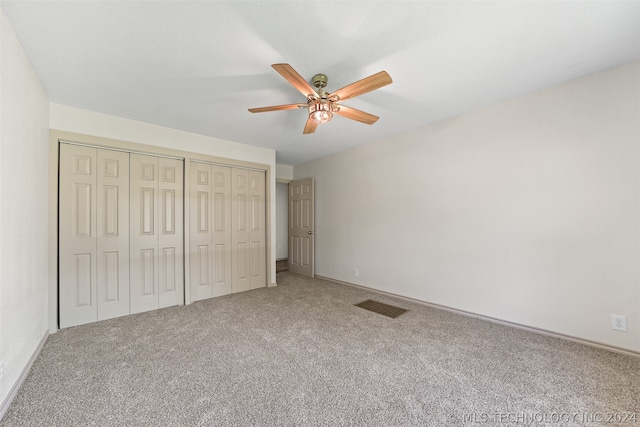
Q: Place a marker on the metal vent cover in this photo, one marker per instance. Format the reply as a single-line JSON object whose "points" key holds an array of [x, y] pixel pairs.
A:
{"points": [[381, 308]]}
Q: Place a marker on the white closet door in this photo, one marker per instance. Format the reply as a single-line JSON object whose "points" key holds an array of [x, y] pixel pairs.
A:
{"points": [[241, 231], [248, 229], [221, 236], [77, 235], [257, 230], [121, 233], [200, 231], [210, 230], [171, 235], [113, 233], [144, 233]]}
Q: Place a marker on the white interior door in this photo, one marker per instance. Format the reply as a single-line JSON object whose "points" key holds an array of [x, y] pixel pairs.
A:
{"points": [[113, 234], [301, 227], [77, 236]]}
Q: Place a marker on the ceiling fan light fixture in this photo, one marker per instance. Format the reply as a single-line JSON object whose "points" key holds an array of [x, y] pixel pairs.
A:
{"points": [[320, 110]]}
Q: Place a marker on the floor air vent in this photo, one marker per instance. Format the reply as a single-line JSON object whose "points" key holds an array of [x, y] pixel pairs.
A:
{"points": [[381, 308]]}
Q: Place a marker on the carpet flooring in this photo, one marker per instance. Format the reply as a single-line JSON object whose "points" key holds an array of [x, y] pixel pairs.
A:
{"points": [[301, 354]]}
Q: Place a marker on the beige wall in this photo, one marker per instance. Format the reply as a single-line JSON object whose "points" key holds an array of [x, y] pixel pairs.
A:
{"points": [[527, 211], [284, 173], [24, 150]]}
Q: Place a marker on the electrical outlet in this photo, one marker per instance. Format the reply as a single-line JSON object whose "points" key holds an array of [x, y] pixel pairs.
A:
{"points": [[356, 273], [619, 323]]}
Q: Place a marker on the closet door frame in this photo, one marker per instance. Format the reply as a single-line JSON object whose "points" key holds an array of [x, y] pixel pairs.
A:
{"points": [[56, 137]]}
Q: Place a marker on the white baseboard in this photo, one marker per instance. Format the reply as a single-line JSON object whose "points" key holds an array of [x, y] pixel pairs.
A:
{"points": [[4, 407], [492, 319]]}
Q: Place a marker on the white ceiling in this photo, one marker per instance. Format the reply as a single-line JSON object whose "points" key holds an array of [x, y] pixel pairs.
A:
{"points": [[198, 66]]}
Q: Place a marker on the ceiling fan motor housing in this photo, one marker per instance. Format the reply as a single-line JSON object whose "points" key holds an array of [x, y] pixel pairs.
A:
{"points": [[320, 81]]}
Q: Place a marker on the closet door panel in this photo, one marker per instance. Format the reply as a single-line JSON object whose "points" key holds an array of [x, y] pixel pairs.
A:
{"points": [[143, 220], [257, 232], [171, 235], [200, 231], [210, 233], [221, 230], [241, 231], [113, 233], [77, 235]]}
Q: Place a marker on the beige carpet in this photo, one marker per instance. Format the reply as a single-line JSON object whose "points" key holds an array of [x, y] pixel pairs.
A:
{"points": [[303, 354]]}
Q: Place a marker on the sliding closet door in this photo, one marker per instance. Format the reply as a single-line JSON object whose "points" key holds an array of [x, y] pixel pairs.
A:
{"points": [[77, 235], [171, 236], [210, 233], [113, 234], [248, 229]]}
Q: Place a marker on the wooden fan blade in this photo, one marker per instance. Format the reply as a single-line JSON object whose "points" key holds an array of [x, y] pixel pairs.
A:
{"points": [[295, 79], [277, 108], [353, 114], [310, 127], [363, 86]]}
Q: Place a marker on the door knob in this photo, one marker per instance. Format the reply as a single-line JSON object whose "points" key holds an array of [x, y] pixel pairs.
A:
{"points": [[310, 232]]}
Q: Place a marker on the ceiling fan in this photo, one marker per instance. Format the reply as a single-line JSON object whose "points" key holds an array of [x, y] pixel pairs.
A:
{"points": [[322, 105]]}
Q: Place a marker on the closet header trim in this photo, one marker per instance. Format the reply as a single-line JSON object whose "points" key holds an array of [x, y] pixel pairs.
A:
{"points": [[61, 141], [227, 165]]}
